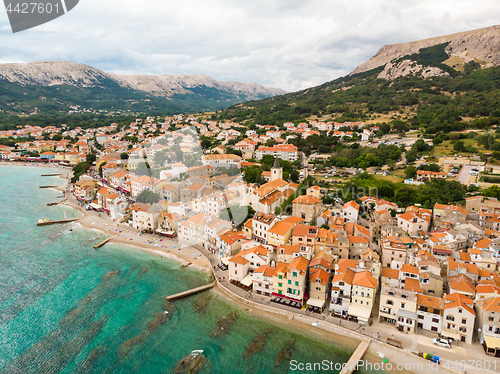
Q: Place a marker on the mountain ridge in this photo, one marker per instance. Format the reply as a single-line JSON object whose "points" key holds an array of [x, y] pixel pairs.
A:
{"points": [[55, 87], [479, 45], [50, 73]]}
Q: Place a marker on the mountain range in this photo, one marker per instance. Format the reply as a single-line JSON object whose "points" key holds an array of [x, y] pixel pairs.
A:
{"points": [[57, 86], [439, 84]]}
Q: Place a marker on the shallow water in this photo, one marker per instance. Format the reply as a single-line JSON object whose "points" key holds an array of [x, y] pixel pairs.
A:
{"points": [[68, 308]]}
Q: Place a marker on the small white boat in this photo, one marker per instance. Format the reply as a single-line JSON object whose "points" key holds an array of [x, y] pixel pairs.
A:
{"points": [[382, 356], [197, 351]]}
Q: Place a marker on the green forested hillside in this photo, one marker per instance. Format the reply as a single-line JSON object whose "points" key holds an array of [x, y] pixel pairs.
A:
{"points": [[109, 97], [468, 98]]}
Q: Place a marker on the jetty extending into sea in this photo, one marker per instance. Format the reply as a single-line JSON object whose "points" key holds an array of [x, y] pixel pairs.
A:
{"points": [[50, 222], [100, 244], [190, 292], [356, 356]]}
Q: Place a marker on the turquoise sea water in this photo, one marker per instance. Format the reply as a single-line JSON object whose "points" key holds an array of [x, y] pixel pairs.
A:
{"points": [[67, 308]]}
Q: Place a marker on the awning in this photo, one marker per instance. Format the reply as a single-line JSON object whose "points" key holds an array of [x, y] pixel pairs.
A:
{"points": [[316, 302], [360, 311], [492, 342], [247, 281], [225, 260], [407, 314], [95, 206]]}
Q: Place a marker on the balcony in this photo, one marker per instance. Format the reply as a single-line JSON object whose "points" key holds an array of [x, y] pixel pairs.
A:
{"points": [[450, 333]]}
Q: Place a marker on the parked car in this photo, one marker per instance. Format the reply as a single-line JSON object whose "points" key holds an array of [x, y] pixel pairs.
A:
{"points": [[442, 343]]}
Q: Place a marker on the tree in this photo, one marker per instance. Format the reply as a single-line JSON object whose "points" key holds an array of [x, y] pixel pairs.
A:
{"points": [[237, 214], [430, 167], [459, 146], [90, 158], [57, 137], [411, 172], [160, 157], [147, 197], [79, 169], [143, 168], [100, 168], [253, 174], [206, 143], [124, 156]]}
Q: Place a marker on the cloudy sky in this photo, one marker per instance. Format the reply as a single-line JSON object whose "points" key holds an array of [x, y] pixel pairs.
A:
{"points": [[290, 44]]}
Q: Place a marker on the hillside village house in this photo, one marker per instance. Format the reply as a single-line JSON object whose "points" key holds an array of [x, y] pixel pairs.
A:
{"points": [[280, 233], [412, 223], [459, 318], [350, 211], [289, 280], [145, 216], [307, 208], [430, 311], [396, 249], [320, 270], [341, 291], [488, 321], [287, 152], [222, 160], [261, 223], [364, 287], [262, 280], [244, 263], [398, 306]]}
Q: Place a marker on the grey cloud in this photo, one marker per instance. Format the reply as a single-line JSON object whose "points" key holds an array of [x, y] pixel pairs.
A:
{"points": [[290, 44]]}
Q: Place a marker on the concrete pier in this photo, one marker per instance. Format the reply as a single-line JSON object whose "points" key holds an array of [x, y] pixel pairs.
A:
{"points": [[356, 356], [48, 186], [51, 175], [193, 291], [104, 241], [46, 223]]}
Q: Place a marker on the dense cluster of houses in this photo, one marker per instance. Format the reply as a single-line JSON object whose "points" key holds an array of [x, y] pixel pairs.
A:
{"points": [[434, 270]]}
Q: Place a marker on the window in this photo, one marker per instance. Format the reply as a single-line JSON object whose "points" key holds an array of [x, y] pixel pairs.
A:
{"points": [[390, 302], [402, 305], [318, 289], [289, 281], [280, 284], [420, 316], [236, 272], [460, 311], [464, 321], [297, 283], [450, 318], [280, 277], [434, 328], [491, 319], [280, 292], [435, 320], [294, 273], [361, 302]]}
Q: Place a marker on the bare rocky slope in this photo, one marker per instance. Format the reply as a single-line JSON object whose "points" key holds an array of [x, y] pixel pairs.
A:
{"points": [[481, 45], [52, 73]]}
